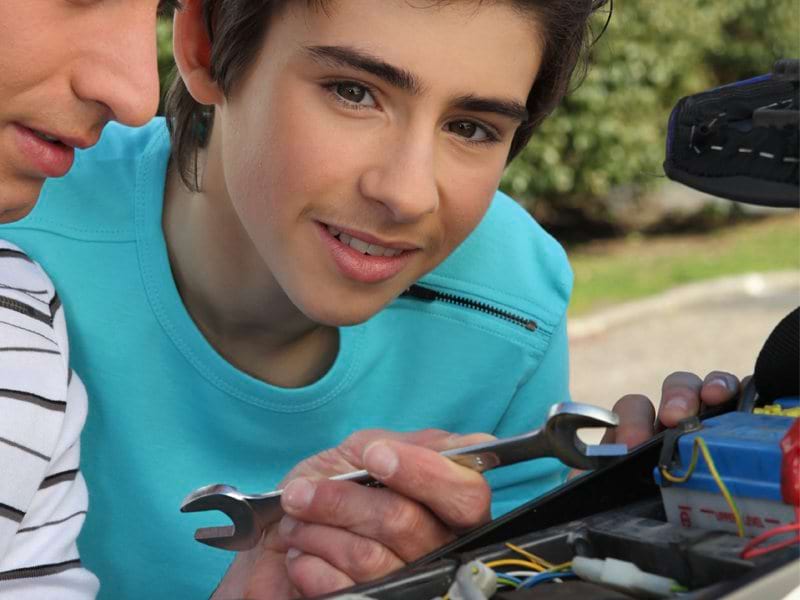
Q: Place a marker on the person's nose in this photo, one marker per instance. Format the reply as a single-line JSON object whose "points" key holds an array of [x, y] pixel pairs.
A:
{"points": [[402, 177], [120, 70]]}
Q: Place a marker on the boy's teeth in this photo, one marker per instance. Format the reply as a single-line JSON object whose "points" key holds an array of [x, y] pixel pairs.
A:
{"points": [[375, 250], [362, 246], [358, 245]]}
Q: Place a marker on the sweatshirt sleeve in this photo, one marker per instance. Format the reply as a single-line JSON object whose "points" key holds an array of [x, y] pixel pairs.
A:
{"points": [[43, 497]]}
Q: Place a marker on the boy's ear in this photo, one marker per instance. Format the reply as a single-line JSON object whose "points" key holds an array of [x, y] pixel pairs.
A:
{"points": [[192, 50]]}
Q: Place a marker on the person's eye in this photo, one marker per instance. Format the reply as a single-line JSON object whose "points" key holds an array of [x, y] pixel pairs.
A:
{"points": [[472, 131], [353, 95]]}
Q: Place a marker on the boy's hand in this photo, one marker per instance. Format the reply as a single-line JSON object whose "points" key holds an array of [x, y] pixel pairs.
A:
{"points": [[682, 395], [338, 533]]}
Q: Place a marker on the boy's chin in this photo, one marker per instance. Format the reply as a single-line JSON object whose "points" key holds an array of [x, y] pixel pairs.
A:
{"points": [[342, 314]]}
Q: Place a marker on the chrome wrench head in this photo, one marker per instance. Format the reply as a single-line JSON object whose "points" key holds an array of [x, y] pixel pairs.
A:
{"points": [[247, 525], [562, 425]]}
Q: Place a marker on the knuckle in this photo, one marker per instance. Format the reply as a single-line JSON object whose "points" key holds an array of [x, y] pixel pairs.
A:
{"points": [[471, 505], [331, 500], [312, 576], [353, 446], [403, 518], [368, 559]]}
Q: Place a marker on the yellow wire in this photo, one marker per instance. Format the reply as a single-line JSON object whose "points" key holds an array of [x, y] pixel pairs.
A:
{"points": [[701, 444], [692, 464], [561, 567], [516, 562], [529, 555]]}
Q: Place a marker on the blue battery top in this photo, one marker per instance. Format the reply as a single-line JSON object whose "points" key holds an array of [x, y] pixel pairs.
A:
{"points": [[746, 451]]}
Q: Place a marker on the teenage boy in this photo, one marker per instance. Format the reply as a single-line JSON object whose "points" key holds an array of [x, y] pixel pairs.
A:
{"points": [[67, 69], [236, 318]]}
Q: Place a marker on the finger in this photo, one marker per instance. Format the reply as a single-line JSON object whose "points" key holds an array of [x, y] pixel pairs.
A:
{"points": [[347, 455], [680, 398], [719, 387], [358, 557], [313, 576], [401, 524], [636, 415], [434, 439], [458, 496]]}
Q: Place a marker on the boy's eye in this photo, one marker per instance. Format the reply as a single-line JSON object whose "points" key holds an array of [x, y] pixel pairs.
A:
{"points": [[470, 131], [354, 93]]}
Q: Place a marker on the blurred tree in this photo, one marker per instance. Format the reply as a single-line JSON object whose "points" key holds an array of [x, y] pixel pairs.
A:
{"points": [[166, 66], [609, 133]]}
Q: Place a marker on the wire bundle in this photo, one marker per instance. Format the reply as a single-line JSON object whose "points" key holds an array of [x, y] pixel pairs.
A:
{"points": [[535, 569]]}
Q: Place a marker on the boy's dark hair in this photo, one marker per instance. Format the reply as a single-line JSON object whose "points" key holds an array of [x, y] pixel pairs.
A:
{"points": [[237, 28]]}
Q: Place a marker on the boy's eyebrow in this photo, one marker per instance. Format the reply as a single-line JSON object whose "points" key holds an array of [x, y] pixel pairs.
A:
{"points": [[407, 81], [358, 59], [507, 108]]}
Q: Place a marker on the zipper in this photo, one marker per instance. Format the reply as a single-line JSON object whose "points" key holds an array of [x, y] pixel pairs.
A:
{"points": [[419, 292], [26, 310]]}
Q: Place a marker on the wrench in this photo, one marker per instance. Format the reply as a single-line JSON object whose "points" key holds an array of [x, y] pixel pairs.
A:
{"points": [[253, 514]]}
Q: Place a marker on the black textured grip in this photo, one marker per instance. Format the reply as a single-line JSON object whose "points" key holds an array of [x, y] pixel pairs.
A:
{"points": [[777, 370]]}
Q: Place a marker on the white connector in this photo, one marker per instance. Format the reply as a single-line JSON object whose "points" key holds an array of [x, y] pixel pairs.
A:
{"points": [[474, 581], [624, 576]]}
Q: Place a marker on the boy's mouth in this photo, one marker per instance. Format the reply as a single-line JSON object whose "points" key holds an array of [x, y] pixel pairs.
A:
{"points": [[364, 258], [363, 246]]}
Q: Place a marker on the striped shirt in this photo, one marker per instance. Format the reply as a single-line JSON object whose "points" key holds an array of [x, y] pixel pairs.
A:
{"points": [[43, 497]]}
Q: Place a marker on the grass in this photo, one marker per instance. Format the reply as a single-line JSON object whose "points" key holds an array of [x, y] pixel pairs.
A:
{"points": [[607, 273]]}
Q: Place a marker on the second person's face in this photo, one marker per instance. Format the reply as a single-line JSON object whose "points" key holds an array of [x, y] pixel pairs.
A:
{"points": [[367, 141], [67, 67]]}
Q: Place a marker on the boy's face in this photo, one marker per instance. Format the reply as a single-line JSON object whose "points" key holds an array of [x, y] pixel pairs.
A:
{"points": [[67, 67], [387, 121]]}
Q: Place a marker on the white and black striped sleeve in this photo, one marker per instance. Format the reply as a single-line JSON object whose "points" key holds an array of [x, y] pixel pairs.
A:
{"points": [[43, 406]]}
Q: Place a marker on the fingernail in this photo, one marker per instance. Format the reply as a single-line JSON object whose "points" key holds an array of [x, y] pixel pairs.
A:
{"points": [[292, 553], [299, 493], [380, 460], [724, 383], [678, 403], [286, 526]]}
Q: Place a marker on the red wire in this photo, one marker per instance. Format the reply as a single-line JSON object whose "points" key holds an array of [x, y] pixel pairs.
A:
{"points": [[753, 552], [750, 550]]}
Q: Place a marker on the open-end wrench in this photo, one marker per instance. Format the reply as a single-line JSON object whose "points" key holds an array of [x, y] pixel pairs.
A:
{"points": [[557, 438]]}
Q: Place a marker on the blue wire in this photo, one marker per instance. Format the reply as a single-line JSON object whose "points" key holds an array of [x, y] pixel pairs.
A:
{"points": [[542, 577], [510, 577]]}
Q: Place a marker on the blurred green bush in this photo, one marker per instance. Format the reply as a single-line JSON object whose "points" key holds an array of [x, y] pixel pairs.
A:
{"points": [[610, 132]]}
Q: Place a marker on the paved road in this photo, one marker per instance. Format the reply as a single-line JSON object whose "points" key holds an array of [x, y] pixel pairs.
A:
{"points": [[720, 324]]}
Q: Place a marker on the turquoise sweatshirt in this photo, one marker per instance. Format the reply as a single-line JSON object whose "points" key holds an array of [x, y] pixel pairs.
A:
{"points": [[168, 414]]}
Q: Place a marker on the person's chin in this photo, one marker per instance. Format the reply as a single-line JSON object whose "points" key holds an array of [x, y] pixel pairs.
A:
{"points": [[17, 204], [343, 313]]}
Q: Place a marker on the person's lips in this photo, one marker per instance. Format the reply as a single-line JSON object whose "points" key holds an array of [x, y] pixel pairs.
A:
{"points": [[48, 153], [363, 257]]}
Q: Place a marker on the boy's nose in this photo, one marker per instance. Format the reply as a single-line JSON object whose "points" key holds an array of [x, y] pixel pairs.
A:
{"points": [[403, 178], [120, 69]]}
